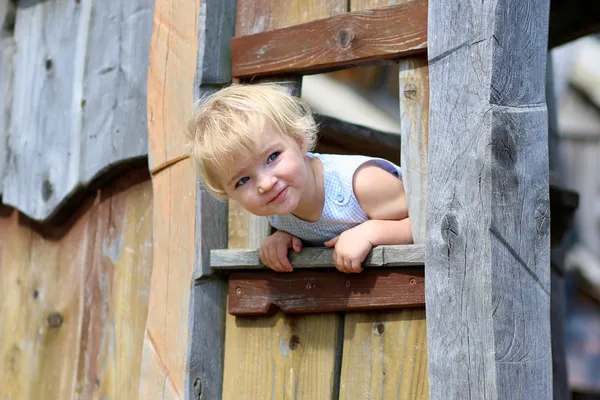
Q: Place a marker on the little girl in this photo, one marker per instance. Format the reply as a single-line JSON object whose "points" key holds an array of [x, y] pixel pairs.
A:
{"points": [[252, 143]]}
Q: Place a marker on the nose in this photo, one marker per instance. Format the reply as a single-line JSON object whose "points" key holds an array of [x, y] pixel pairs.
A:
{"points": [[266, 183]]}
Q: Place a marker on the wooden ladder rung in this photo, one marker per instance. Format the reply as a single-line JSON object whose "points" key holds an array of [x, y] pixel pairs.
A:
{"points": [[320, 257]]}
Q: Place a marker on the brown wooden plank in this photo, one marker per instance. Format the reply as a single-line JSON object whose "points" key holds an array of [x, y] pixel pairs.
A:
{"points": [[343, 40], [173, 59], [264, 293], [117, 288], [167, 326]]}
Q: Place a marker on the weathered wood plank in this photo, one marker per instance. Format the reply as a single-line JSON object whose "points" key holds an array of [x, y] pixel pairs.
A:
{"points": [[7, 50], [75, 299], [167, 327], [115, 77], [301, 292], [385, 356], [315, 257], [116, 290], [44, 156], [488, 245], [171, 76], [414, 130], [79, 98], [342, 40]]}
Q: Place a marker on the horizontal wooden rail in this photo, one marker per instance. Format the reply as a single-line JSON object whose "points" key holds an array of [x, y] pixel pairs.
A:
{"points": [[305, 291], [315, 257], [342, 40], [367, 36]]}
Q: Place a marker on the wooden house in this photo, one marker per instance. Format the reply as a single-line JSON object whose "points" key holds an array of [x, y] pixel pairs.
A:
{"points": [[120, 275]]}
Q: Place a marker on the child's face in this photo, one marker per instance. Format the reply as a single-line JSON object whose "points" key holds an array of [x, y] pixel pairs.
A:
{"points": [[270, 181]]}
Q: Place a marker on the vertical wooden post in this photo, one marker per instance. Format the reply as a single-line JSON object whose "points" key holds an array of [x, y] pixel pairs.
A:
{"points": [[204, 378], [488, 225], [557, 280]]}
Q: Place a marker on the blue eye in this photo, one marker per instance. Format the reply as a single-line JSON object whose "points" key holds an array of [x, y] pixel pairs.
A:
{"points": [[242, 181], [272, 157]]}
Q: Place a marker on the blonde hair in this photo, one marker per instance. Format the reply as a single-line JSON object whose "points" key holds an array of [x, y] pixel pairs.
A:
{"points": [[225, 124]]}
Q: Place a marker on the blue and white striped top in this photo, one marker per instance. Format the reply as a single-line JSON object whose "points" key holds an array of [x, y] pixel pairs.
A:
{"points": [[341, 210]]}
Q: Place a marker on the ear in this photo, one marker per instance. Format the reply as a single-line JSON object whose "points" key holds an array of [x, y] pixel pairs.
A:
{"points": [[303, 146]]}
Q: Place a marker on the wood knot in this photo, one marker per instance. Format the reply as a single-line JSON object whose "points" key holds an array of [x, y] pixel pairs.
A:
{"points": [[412, 281], [198, 388], [380, 328], [47, 190], [344, 38], [55, 320], [48, 64], [294, 342]]}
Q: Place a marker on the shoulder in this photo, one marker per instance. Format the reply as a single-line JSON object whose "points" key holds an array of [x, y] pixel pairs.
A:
{"points": [[380, 193]]}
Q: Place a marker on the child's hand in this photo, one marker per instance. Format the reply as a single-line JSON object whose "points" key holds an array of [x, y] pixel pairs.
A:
{"points": [[351, 249], [274, 250]]}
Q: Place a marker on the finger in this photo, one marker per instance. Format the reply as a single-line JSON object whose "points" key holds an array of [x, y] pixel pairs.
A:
{"points": [[331, 242], [273, 253], [356, 266], [296, 244], [267, 258], [282, 258], [339, 263], [272, 256]]}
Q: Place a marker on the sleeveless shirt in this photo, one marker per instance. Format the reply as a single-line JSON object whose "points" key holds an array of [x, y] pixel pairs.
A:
{"points": [[341, 210]]}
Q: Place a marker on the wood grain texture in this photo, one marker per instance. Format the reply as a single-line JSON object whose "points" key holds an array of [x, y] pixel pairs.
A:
{"points": [[301, 292], [167, 327], [385, 356], [114, 123], [171, 76], [357, 5], [342, 40], [73, 298], [291, 357], [254, 16], [79, 98], [7, 50], [315, 257], [414, 130], [44, 147], [488, 244], [117, 290]]}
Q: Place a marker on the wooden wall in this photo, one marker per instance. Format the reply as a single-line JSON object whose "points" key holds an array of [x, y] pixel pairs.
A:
{"points": [[74, 298]]}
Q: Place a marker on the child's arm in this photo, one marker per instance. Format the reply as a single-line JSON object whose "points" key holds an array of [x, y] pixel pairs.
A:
{"points": [[274, 250], [381, 196]]}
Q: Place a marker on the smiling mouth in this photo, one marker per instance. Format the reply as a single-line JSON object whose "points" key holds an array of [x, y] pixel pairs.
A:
{"points": [[279, 196]]}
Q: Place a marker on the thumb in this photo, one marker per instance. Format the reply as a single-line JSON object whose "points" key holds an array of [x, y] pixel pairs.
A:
{"points": [[296, 244], [331, 242]]}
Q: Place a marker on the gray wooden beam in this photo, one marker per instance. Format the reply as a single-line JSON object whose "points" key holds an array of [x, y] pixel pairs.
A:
{"points": [[487, 266], [7, 50], [206, 345], [78, 99], [320, 257]]}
